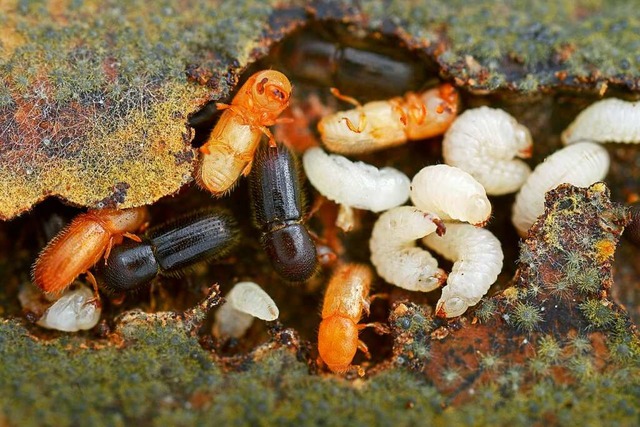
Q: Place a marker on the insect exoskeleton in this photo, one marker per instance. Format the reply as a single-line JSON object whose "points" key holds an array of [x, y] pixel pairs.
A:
{"points": [[278, 210], [483, 142], [579, 164], [354, 184], [80, 245], [450, 193], [245, 301], [477, 260], [314, 57], [229, 150], [71, 312], [609, 120], [170, 249], [395, 255], [344, 300], [382, 124]]}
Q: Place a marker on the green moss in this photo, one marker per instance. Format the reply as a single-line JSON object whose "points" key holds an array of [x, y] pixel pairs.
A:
{"points": [[539, 366], [549, 349], [562, 289], [524, 44], [486, 310], [581, 366], [411, 327], [161, 376], [588, 281], [107, 95], [451, 376], [60, 383], [580, 345], [491, 362], [623, 347], [526, 316], [598, 313]]}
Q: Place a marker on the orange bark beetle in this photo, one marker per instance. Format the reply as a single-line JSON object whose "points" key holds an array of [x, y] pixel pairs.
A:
{"points": [[81, 244], [345, 299], [233, 141]]}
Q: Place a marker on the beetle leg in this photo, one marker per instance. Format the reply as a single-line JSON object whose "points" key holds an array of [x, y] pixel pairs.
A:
{"points": [[284, 121], [346, 218], [396, 106], [132, 236], [267, 132], [107, 251], [240, 112], [335, 92], [363, 348], [366, 306], [417, 109], [378, 296], [362, 123], [379, 328], [319, 362], [96, 295], [247, 169]]}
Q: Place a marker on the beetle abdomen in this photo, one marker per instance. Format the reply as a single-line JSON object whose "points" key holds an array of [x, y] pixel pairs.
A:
{"points": [[291, 251]]}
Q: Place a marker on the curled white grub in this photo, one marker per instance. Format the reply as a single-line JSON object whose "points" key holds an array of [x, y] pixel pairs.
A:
{"points": [[477, 260], [450, 193], [355, 184], [72, 312], [579, 164], [484, 143], [394, 252], [243, 303], [609, 120]]}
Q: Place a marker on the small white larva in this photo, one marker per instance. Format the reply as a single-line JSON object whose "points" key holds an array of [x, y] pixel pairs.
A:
{"points": [[579, 164], [450, 193], [355, 184], [71, 313], [394, 252], [611, 120], [244, 302], [484, 142], [33, 300], [477, 260]]}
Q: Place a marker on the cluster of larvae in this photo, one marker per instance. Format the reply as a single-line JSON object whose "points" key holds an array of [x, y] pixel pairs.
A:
{"points": [[482, 150]]}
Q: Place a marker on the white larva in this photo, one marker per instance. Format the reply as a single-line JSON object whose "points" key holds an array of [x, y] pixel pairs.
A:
{"points": [[477, 260], [450, 193], [394, 252], [484, 142], [355, 184], [607, 120], [33, 300], [579, 164], [71, 313], [244, 302]]}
